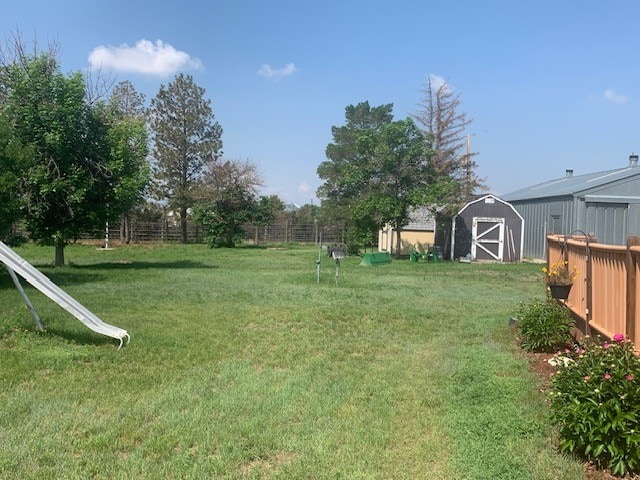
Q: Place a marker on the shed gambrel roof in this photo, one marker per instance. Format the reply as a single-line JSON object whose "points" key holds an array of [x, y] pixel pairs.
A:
{"points": [[489, 198], [572, 185]]}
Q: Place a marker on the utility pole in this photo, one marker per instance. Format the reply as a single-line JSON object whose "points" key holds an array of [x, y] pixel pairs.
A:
{"points": [[467, 162]]}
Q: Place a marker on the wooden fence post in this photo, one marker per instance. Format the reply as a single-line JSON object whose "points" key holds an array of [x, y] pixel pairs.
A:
{"points": [[630, 320], [589, 284]]}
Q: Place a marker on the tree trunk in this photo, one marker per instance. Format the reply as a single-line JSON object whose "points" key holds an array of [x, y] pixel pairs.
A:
{"points": [[183, 225], [398, 242], [231, 228], [125, 228], [59, 260]]}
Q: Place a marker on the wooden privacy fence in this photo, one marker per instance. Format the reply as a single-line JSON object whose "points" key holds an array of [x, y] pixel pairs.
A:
{"points": [[606, 291]]}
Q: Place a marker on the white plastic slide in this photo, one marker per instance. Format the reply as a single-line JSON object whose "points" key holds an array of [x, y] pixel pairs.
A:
{"points": [[17, 264]]}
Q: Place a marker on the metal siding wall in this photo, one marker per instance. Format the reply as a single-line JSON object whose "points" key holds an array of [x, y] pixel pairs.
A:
{"points": [[608, 221], [538, 221], [569, 217], [535, 228], [633, 220]]}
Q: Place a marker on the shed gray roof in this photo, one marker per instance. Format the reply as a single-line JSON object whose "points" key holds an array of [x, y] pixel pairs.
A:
{"points": [[421, 218], [571, 185]]}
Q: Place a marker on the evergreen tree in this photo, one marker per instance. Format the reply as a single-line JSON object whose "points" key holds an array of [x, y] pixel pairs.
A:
{"points": [[454, 169], [186, 140]]}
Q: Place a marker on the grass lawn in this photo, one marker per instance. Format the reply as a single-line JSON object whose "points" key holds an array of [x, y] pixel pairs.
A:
{"points": [[241, 366]]}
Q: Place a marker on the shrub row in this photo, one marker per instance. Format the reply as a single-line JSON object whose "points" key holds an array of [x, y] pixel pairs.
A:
{"points": [[595, 397]]}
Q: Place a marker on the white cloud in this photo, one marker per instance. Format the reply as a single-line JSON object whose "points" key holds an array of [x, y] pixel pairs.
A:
{"points": [[615, 97], [145, 57], [268, 71], [304, 188], [437, 82]]}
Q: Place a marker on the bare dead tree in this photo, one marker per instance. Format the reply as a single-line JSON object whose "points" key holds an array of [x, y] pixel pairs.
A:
{"points": [[444, 125], [98, 84], [227, 175], [14, 51]]}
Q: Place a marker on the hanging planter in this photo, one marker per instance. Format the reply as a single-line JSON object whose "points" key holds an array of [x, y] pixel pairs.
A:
{"points": [[559, 278], [560, 292]]}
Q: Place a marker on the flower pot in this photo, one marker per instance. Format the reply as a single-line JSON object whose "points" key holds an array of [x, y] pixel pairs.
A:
{"points": [[561, 292]]}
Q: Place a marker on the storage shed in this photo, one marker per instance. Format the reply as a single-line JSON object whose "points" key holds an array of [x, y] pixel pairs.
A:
{"points": [[417, 235], [605, 204], [487, 228]]}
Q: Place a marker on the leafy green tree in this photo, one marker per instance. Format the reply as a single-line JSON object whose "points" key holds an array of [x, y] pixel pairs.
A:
{"points": [[129, 143], [79, 171], [305, 215], [186, 140], [399, 174], [378, 170], [228, 199], [267, 210], [13, 161], [65, 187], [346, 171]]}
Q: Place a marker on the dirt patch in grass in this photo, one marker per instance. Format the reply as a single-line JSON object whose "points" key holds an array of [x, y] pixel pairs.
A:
{"points": [[267, 465]]}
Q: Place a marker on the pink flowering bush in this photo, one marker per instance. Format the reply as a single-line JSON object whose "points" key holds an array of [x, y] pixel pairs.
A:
{"points": [[596, 403]]}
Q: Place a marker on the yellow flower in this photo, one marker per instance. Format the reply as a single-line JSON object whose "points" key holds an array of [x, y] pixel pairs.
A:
{"points": [[558, 273]]}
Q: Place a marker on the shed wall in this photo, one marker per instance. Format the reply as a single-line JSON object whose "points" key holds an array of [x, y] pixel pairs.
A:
{"points": [[633, 220], [608, 221], [541, 216], [416, 240], [488, 209], [610, 212]]}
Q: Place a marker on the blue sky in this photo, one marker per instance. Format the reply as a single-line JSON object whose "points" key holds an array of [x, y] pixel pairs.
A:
{"points": [[549, 85]]}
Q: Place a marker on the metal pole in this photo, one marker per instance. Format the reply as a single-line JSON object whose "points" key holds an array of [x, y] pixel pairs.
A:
{"points": [[318, 261], [18, 285]]}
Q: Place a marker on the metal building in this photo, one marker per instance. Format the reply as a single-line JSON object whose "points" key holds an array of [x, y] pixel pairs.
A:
{"points": [[487, 228], [605, 204]]}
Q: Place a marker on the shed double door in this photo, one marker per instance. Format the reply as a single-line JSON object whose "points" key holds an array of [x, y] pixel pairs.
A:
{"points": [[487, 240]]}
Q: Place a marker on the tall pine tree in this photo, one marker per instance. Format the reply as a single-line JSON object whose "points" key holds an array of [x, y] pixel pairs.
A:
{"points": [[186, 139]]}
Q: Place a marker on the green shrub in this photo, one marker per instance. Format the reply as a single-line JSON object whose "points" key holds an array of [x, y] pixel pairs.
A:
{"points": [[544, 325], [596, 403]]}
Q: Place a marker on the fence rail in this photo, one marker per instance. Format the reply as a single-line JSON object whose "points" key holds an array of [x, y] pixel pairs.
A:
{"points": [[605, 293], [145, 232]]}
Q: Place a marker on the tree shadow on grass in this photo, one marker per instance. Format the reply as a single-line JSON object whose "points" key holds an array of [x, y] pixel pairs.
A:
{"points": [[141, 265], [79, 274]]}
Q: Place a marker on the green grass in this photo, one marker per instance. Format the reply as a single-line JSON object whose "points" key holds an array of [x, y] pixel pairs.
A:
{"points": [[241, 366]]}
